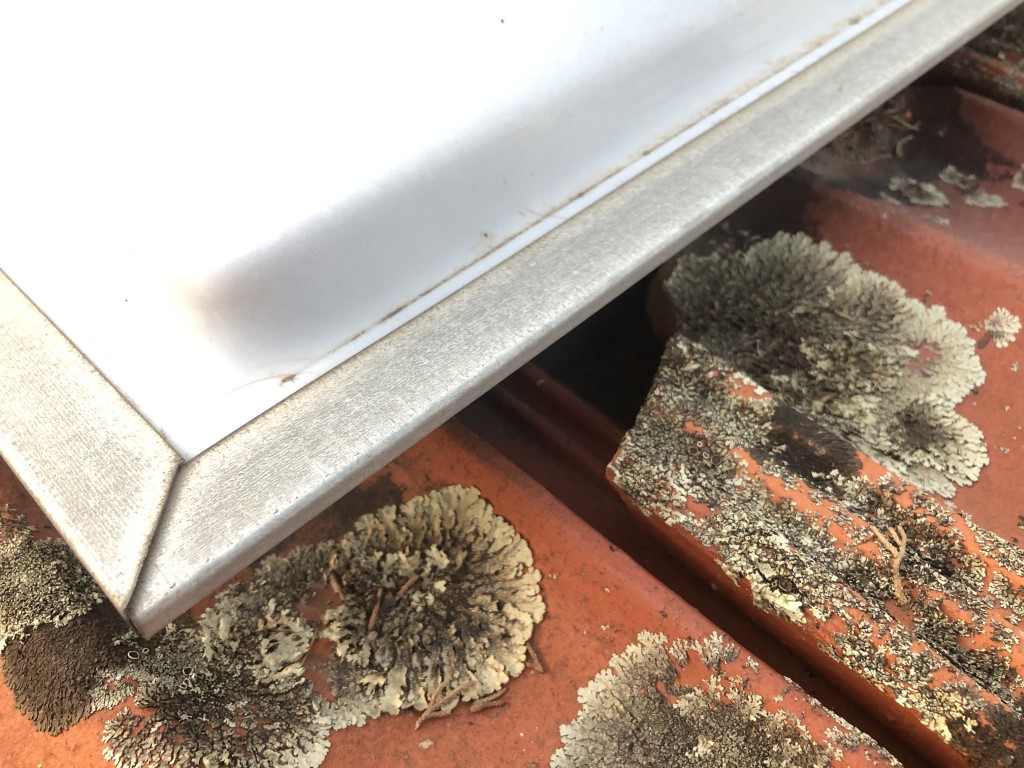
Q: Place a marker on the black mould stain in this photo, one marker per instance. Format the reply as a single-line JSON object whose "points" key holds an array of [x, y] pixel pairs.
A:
{"points": [[381, 492], [809, 450]]}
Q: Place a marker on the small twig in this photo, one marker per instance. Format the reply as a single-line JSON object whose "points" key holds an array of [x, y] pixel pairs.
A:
{"points": [[406, 587], [904, 123], [986, 337], [376, 610], [334, 581], [895, 543], [434, 706], [533, 662], [488, 702], [901, 145]]}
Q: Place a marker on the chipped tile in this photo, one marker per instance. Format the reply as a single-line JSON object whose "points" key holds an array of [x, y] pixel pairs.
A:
{"points": [[790, 518]]}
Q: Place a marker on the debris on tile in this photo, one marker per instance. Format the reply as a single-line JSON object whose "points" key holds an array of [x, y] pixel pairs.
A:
{"points": [[883, 134], [439, 598], [993, 62], [842, 345], [1001, 328], [694, 703], [918, 192], [789, 515]]}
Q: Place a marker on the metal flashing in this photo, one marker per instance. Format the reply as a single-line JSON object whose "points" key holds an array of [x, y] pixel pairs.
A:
{"points": [[104, 474], [100, 471]]}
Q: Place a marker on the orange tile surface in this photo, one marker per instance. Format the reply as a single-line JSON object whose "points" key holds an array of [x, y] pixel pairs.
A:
{"points": [[598, 600]]}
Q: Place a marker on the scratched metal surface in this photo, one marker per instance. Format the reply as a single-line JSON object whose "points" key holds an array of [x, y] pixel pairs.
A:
{"points": [[243, 495]]}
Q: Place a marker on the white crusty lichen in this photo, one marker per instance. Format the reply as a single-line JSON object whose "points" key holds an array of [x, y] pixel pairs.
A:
{"points": [[1017, 182], [230, 691], [843, 345], [637, 713], [979, 198], [918, 192], [439, 598], [41, 582], [965, 182], [973, 194], [1002, 327]]}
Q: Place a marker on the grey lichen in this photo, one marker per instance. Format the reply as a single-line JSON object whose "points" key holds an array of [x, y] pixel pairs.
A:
{"points": [[979, 198], [844, 346], [918, 192], [973, 194], [437, 595], [638, 713], [808, 552], [231, 691], [232, 688], [883, 134], [1002, 327], [41, 582]]}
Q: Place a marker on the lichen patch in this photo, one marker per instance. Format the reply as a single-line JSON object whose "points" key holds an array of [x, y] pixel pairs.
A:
{"points": [[231, 691], [41, 582], [639, 712], [1017, 182], [231, 688], [917, 192], [1001, 328], [844, 346], [892, 583], [437, 595]]}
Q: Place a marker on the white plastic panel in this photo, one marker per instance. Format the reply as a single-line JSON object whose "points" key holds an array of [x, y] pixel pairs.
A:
{"points": [[219, 202]]}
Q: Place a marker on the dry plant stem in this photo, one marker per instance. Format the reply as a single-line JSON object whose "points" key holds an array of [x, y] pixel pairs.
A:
{"points": [[332, 579], [534, 661], [406, 587], [376, 611], [487, 702], [434, 706], [986, 337], [895, 542]]}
